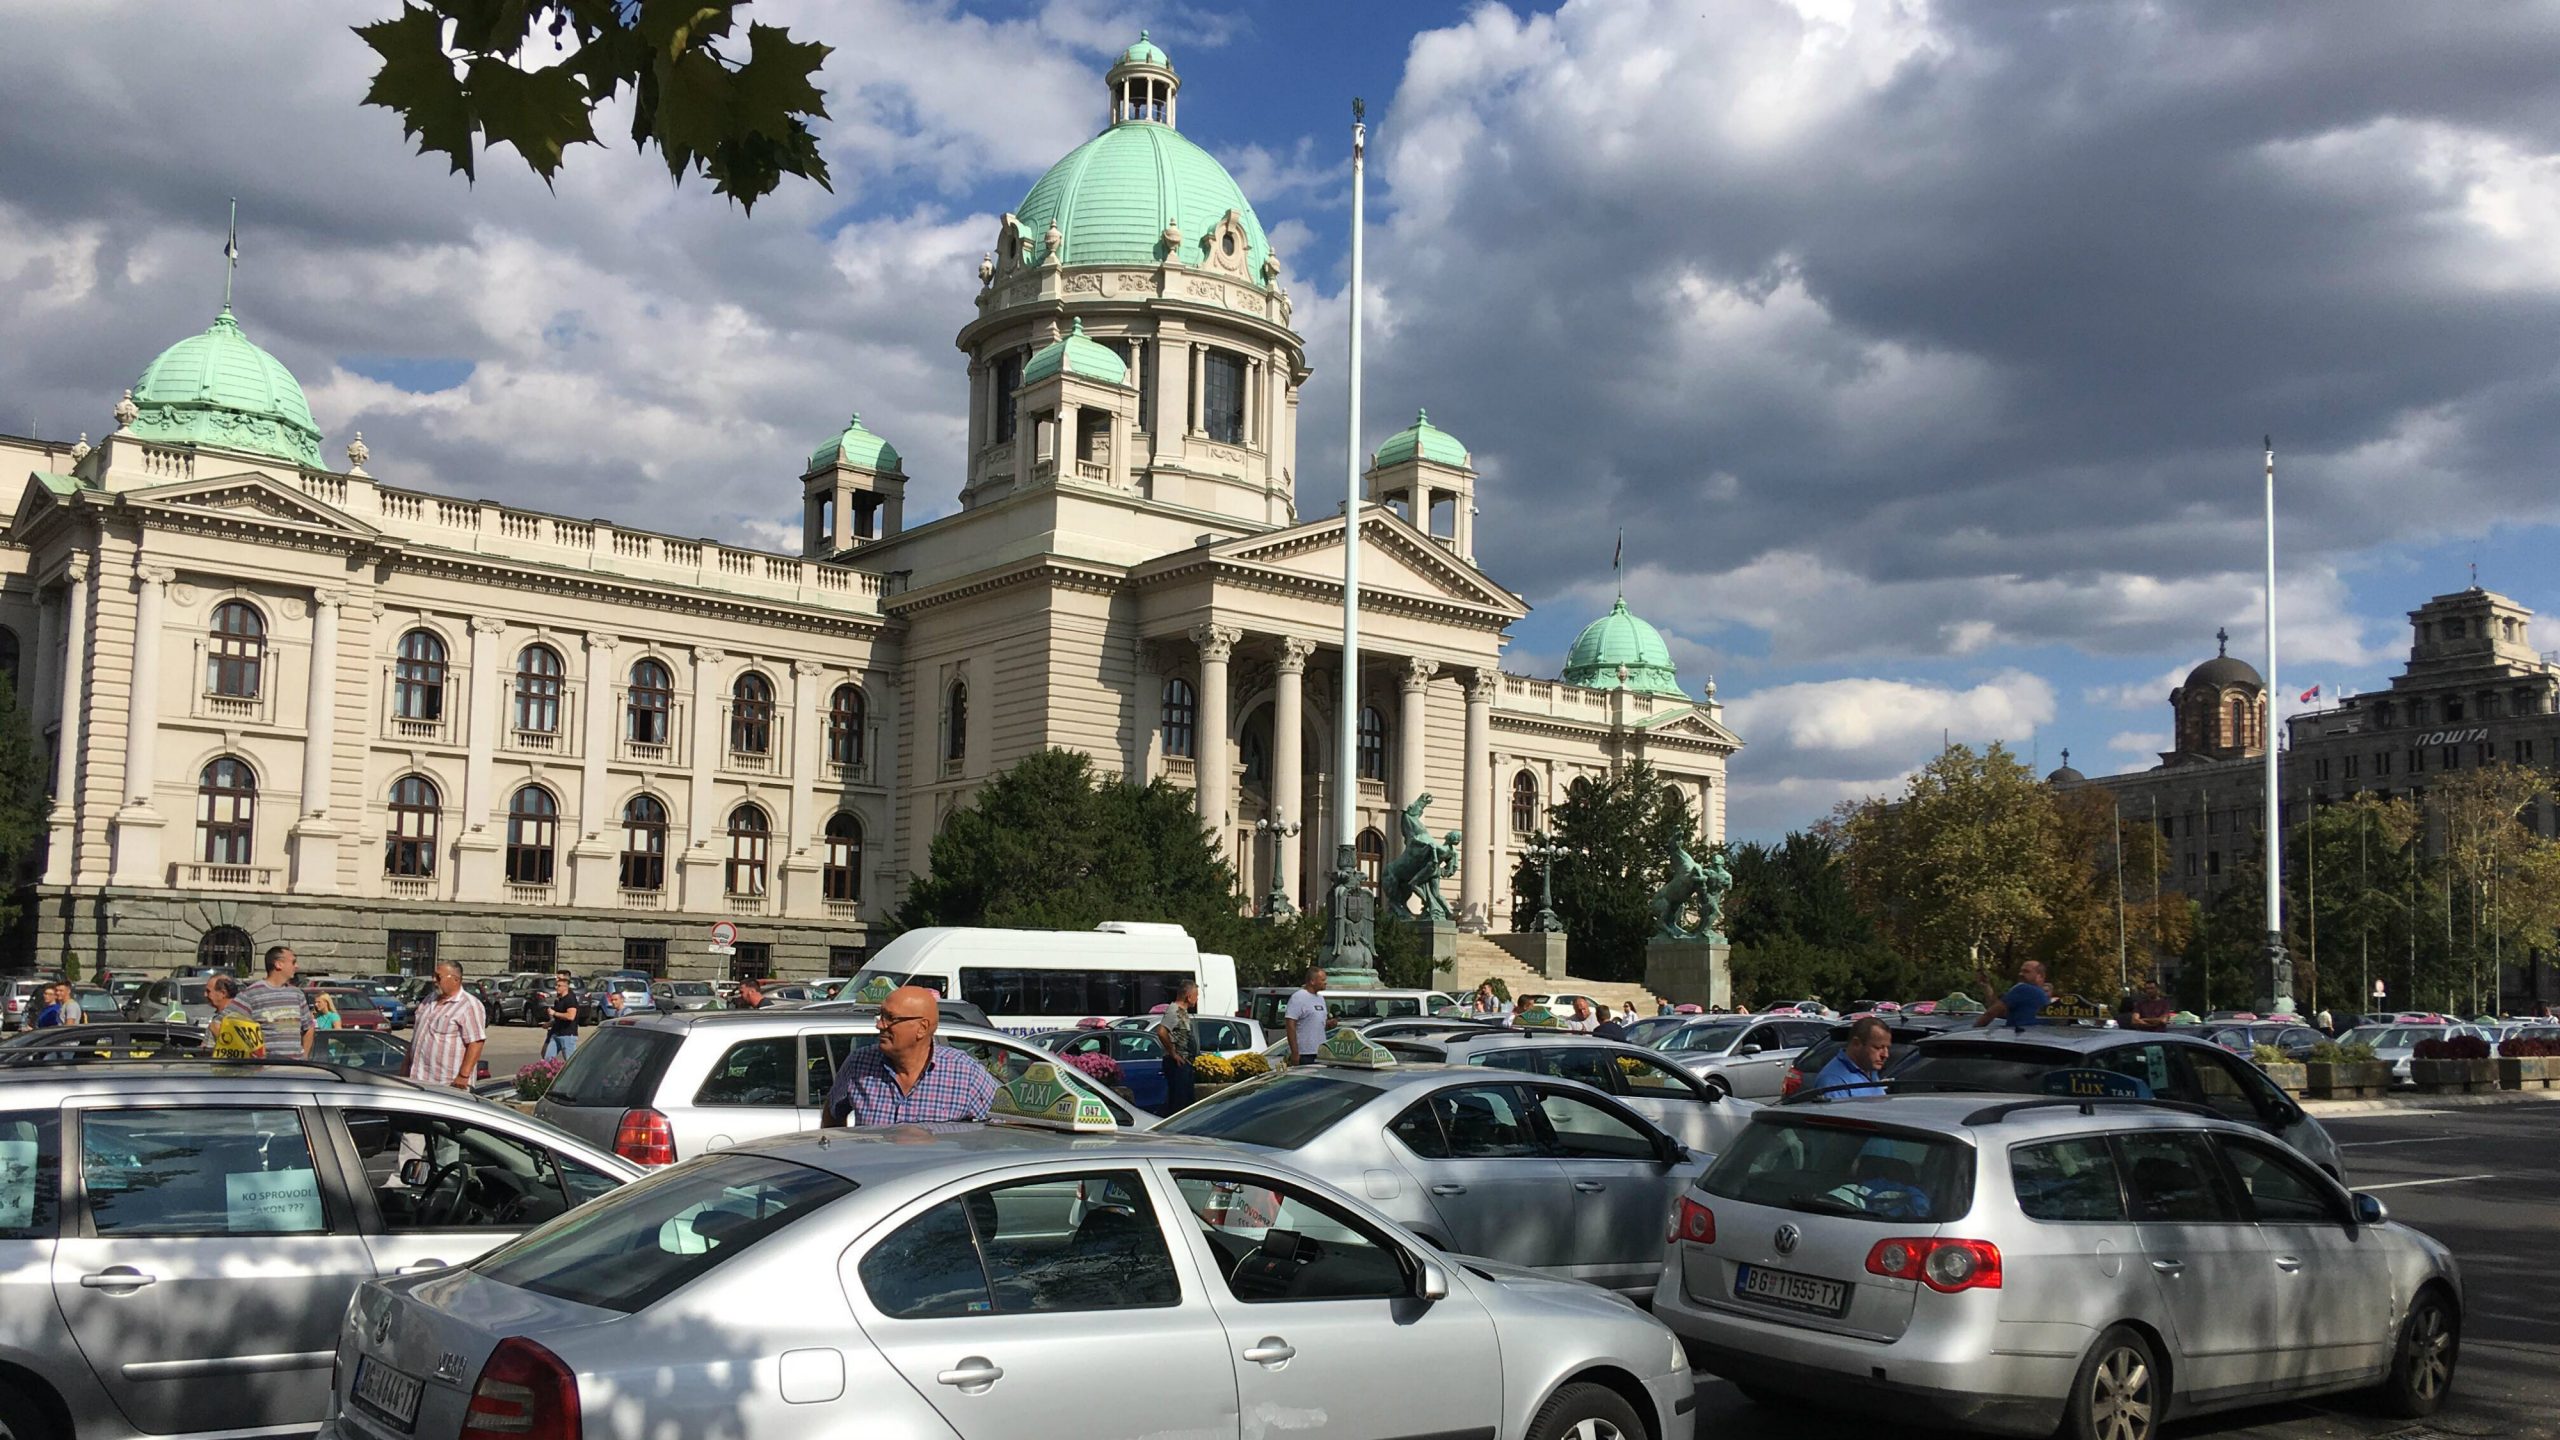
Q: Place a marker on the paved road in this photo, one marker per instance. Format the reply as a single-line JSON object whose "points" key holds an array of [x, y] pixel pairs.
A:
{"points": [[2481, 1180]]}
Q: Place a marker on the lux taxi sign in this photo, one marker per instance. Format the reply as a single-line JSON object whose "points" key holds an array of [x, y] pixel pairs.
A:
{"points": [[2095, 1085]]}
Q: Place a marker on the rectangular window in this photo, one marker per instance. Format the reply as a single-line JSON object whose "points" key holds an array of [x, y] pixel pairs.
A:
{"points": [[999, 1251], [1827, 1170], [754, 961], [2191, 864], [2453, 757], [1222, 397], [2488, 751], [2320, 769], [1008, 378], [2417, 761], [30, 1175], [845, 959], [412, 952], [2213, 862], [2066, 1180], [646, 955], [200, 1171], [540, 953], [2352, 764], [2381, 763]]}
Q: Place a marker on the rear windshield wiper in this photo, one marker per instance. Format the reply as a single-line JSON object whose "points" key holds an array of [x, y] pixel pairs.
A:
{"points": [[1825, 1205]]}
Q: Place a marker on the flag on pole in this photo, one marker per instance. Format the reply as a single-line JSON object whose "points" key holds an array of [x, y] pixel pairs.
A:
{"points": [[1618, 563], [2311, 694]]}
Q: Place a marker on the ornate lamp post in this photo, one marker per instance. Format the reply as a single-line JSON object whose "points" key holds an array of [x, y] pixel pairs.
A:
{"points": [[1544, 850], [1281, 830]]}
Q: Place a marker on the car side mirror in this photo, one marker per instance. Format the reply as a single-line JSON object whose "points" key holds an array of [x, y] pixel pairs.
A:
{"points": [[415, 1173], [2370, 1210], [1430, 1282], [1668, 1151], [1751, 1049]]}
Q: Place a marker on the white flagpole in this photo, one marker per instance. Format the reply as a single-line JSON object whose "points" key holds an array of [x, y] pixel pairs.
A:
{"points": [[1346, 786], [2279, 979]]}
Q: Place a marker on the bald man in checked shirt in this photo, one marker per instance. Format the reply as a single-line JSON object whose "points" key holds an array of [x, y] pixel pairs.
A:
{"points": [[908, 1079]]}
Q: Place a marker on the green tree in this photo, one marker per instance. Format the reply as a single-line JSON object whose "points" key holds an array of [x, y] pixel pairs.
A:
{"points": [[1798, 930], [1620, 833], [22, 801], [1959, 870], [460, 73]]}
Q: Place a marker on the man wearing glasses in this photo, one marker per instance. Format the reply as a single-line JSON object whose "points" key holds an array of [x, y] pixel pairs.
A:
{"points": [[907, 1079]]}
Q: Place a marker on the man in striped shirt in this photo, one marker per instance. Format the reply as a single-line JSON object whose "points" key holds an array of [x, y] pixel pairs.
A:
{"points": [[446, 1036], [282, 1010], [907, 1079]]}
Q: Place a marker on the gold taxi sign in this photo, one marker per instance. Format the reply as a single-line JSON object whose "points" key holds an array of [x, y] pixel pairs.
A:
{"points": [[1347, 1047], [1038, 1097], [2072, 1007]]}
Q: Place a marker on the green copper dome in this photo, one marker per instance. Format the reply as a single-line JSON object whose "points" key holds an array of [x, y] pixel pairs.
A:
{"points": [[856, 447], [1425, 439], [1112, 197], [219, 389], [1618, 639], [1146, 52], [1077, 355]]}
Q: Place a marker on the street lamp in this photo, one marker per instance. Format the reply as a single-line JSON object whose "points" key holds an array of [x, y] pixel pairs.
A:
{"points": [[1280, 830], [1544, 850]]}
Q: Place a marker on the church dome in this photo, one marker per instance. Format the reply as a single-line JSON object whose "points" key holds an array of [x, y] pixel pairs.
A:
{"points": [[218, 388], [1076, 355], [1112, 197], [1621, 639], [1428, 441], [856, 447], [2223, 670]]}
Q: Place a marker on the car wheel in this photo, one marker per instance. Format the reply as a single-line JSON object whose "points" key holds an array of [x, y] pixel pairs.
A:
{"points": [[1587, 1412], [2422, 1363], [2118, 1394], [22, 1419]]}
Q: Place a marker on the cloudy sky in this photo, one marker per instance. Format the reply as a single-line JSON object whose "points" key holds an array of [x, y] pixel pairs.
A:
{"points": [[1920, 349]]}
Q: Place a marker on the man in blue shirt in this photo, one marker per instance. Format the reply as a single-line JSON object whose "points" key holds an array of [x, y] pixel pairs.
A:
{"points": [[2023, 1005], [1857, 1072]]}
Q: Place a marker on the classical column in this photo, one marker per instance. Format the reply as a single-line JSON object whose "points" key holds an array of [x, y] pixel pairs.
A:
{"points": [[1475, 863], [1198, 415], [1413, 681], [593, 861], [1215, 775], [137, 830], [704, 826], [483, 826], [1497, 877], [799, 866], [315, 839], [62, 822], [36, 680], [1288, 752]]}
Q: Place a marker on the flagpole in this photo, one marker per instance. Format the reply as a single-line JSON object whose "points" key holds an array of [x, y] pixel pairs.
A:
{"points": [[2277, 979], [231, 253], [1348, 941]]}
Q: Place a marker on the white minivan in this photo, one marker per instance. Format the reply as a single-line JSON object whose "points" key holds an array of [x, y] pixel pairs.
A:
{"points": [[1032, 980]]}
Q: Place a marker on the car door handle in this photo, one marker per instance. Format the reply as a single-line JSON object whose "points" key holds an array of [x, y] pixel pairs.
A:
{"points": [[421, 1267], [119, 1278], [2288, 1263], [975, 1370], [1272, 1351], [1589, 1187], [1448, 1189], [2169, 1267]]}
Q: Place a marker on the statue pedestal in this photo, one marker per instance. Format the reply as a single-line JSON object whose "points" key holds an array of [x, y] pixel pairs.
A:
{"points": [[1540, 950], [1439, 940], [1690, 972]]}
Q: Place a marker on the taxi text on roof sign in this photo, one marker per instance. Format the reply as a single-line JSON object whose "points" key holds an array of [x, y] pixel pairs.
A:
{"points": [[1038, 1097], [2095, 1085], [1346, 1047]]}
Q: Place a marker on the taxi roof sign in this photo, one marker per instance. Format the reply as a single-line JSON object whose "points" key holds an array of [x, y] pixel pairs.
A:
{"points": [[1347, 1047], [2072, 1007], [1038, 1097], [2095, 1085]]}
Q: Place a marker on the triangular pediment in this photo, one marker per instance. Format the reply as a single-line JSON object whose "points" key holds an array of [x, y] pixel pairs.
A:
{"points": [[1394, 557], [250, 495], [1694, 724]]}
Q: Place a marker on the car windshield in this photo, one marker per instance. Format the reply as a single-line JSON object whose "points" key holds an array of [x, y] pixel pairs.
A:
{"points": [[693, 988], [192, 993], [1851, 1169], [360, 1050], [1714, 1039], [626, 1250], [1283, 1111], [1995, 1067]]}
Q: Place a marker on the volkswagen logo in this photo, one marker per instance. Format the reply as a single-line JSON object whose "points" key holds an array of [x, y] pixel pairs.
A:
{"points": [[1788, 1235], [382, 1327]]}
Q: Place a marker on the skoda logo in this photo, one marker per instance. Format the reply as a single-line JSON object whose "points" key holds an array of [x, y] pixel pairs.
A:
{"points": [[1788, 1235]]}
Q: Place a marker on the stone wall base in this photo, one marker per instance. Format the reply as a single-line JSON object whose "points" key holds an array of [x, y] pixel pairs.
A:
{"points": [[1540, 950], [1690, 972], [1439, 939]]}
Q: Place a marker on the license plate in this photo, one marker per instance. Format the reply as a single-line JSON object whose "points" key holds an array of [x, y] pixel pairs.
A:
{"points": [[1796, 1292], [388, 1391]]}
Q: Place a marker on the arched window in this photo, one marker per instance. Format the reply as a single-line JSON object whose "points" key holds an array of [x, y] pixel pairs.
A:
{"points": [[646, 709], [410, 847], [538, 674], [1373, 743], [227, 812], [9, 657], [1580, 790], [1524, 802], [2239, 721], [955, 723], [1373, 854], [237, 655], [226, 948], [848, 715], [417, 690], [1181, 718], [533, 833], [644, 843], [842, 877], [749, 837], [751, 715]]}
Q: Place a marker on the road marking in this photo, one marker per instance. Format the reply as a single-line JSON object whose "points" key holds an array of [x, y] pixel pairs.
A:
{"points": [[2439, 1180], [2419, 1140]]}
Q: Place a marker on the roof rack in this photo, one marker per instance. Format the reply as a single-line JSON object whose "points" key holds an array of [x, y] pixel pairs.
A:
{"points": [[41, 1057], [2086, 1105]]}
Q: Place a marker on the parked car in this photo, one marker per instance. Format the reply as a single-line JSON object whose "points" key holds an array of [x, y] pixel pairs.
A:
{"points": [[20, 999], [2395, 1044], [1141, 1057], [1898, 1252], [991, 1281], [376, 1051], [519, 999], [125, 1308], [2296, 1041], [1265, 1004], [672, 996], [1645, 1081], [661, 1088], [1216, 1034], [356, 1010], [95, 1003], [952, 1012], [179, 997], [1740, 1054], [1526, 1169], [2168, 1066]]}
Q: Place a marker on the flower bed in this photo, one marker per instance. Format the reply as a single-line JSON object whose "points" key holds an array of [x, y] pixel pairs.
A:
{"points": [[2344, 1072], [2457, 1066], [535, 1080], [2528, 1064]]}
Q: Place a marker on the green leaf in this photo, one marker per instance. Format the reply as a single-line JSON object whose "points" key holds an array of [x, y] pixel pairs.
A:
{"points": [[488, 27], [693, 114], [540, 112], [675, 28], [774, 87], [417, 80]]}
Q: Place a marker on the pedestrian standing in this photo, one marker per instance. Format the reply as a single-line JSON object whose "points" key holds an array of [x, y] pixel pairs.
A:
{"points": [[324, 1012], [1610, 1026], [235, 1031], [446, 1036], [1490, 1006], [1581, 1021], [908, 1078], [281, 1008], [2153, 1010], [1306, 1017], [2322, 1020], [750, 996], [1857, 1072], [1181, 1041], [560, 1011], [2023, 1003], [54, 1013]]}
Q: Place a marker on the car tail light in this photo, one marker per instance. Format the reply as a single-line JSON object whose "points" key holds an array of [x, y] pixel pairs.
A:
{"points": [[645, 1138], [1945, 1266], [1793, 1083], [1693, 1222], [524, 1393]]}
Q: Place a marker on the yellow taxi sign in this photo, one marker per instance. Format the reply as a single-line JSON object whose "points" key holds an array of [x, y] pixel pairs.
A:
{"points": [[1038, 1097]]}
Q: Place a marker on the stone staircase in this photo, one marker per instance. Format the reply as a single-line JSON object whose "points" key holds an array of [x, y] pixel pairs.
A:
{"points": [[1479, 959]]}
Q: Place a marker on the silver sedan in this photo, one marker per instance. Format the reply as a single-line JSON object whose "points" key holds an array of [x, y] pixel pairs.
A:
{"points": [[1740, 1055], [1647, 1082], [1528, 1169], [989, 1282]]}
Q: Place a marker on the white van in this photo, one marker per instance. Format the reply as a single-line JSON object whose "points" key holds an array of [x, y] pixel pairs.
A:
{"points": [[1028, 980]]}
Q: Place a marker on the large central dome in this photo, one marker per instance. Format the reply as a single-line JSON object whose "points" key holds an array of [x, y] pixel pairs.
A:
{"points": [[219, 388]]}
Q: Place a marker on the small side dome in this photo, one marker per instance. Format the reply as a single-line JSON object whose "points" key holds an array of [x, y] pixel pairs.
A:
{"points": [[2066, 775], [1620, 640], [1424, 439], [856, 447], [2223, 670], [1145, 52], [1078, 356], [219, 389]]}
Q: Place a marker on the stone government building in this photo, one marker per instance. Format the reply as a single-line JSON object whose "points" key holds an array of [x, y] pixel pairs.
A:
{"points": [[290, 703], [2474, 691]]}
